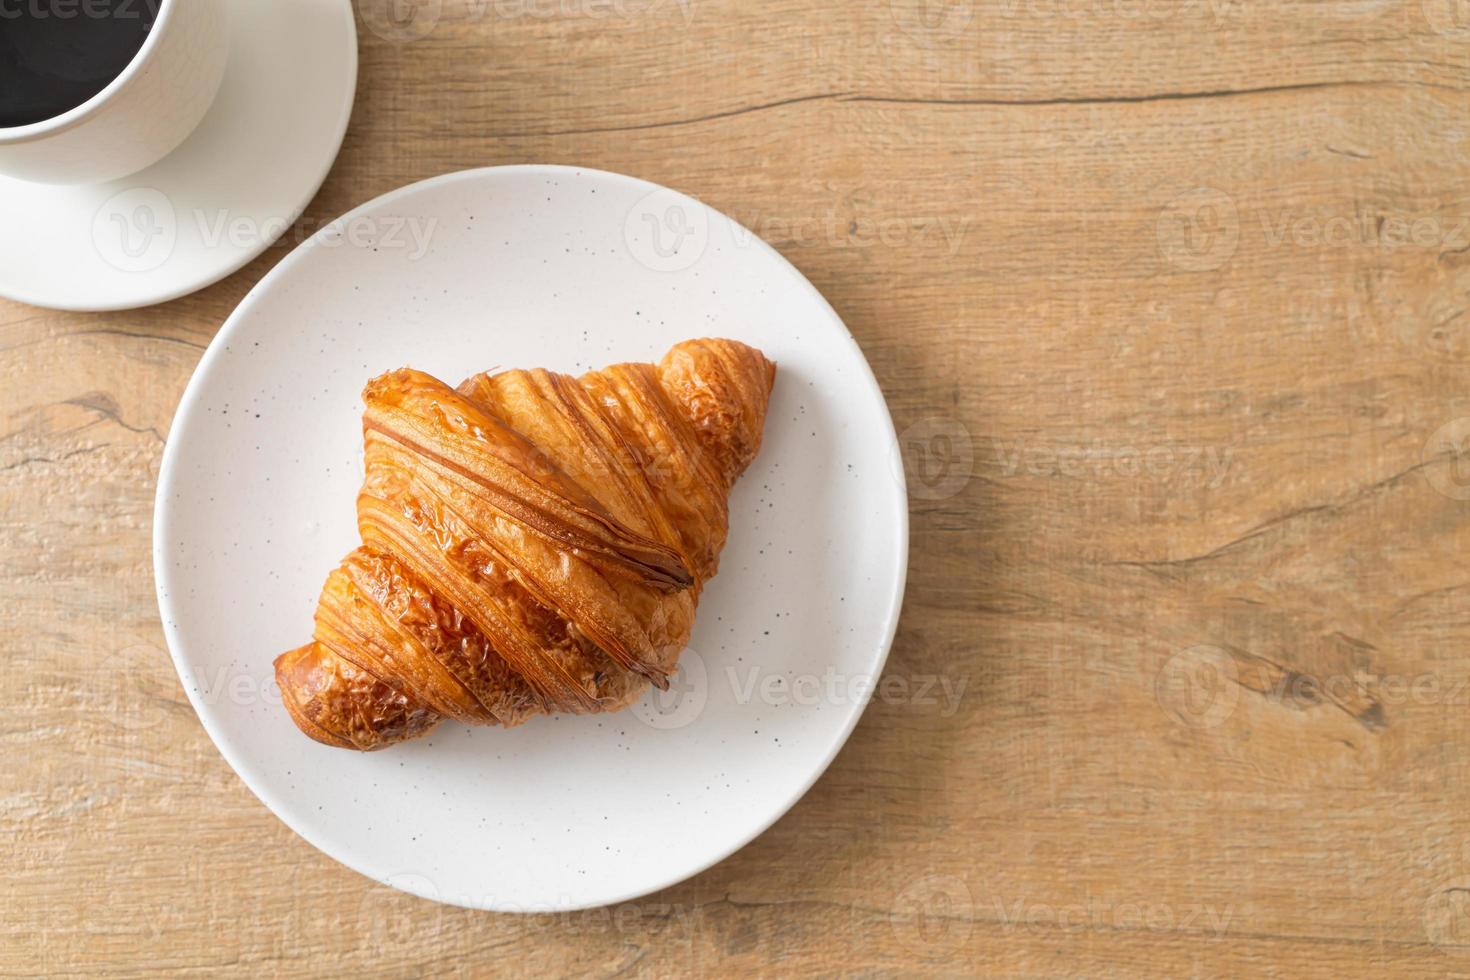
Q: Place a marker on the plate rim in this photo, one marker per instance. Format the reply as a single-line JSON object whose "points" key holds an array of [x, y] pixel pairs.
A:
{"points": [[162, 576]]}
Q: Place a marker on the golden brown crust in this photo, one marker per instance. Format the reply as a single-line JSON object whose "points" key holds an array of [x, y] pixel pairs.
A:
{"points": [[340, 705], [532, 542]]}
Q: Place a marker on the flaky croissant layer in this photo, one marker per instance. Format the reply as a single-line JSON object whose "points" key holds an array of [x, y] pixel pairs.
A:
{"points": [[531, 543]]}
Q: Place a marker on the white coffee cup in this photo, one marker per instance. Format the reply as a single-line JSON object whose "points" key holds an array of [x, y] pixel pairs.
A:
{"points": [[142, 114]]}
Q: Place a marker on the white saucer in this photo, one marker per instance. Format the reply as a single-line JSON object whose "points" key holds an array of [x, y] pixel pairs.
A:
{"points": [[233, 187]]}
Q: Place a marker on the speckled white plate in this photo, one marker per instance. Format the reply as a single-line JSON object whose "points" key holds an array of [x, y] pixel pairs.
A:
{"points": [[567, 269]]}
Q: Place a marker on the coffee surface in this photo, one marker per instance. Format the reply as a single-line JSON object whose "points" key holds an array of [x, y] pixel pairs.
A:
{"points": [[57, 54]]}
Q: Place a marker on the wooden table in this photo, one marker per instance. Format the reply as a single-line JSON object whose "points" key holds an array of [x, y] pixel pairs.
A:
{"points": [[1169, 300]]}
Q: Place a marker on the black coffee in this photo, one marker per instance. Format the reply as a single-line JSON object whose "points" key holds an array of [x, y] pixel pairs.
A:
{"points": [[57, 54]]}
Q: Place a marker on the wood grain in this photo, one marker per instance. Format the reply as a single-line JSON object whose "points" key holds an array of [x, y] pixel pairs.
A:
{"points": [[1169, 302]]}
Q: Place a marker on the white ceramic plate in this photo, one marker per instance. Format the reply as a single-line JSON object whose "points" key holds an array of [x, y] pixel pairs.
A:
{"points": [[567, 269], [230, 190]]}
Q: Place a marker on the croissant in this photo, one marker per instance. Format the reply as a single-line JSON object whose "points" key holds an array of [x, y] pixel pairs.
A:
{"points": [[531, 543]]}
